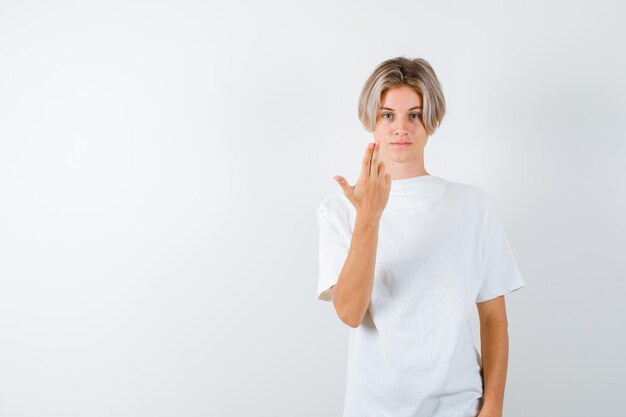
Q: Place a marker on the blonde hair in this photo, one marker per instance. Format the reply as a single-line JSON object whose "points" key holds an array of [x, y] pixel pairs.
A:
{"points": [[396, 72]]}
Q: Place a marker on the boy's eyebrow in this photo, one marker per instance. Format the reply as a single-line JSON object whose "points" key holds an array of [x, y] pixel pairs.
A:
{"points": [[412, 108]]}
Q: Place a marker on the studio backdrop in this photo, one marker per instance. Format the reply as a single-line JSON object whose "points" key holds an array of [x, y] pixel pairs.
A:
{"points": [[161, 164]]}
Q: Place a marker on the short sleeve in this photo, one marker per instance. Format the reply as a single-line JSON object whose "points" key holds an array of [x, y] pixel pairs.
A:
{"points": [[500, 273], [334, 246]]}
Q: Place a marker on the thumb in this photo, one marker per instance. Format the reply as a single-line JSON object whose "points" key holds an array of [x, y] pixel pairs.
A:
{"points": [[347, 189]]}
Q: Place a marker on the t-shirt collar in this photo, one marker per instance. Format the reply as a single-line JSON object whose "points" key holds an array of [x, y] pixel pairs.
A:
{"points": [[403, 185]]}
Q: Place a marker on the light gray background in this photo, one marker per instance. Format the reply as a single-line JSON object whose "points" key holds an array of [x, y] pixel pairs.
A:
{"points": [[161, 164]]}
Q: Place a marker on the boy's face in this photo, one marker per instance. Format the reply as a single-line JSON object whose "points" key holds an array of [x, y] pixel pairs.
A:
{"points": [[399, 119]]}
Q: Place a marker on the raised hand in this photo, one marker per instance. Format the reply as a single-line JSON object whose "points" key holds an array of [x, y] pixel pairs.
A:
{"points": [[371, 192]]}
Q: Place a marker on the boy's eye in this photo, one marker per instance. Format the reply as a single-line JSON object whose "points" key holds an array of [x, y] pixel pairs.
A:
{"points": [[413, 115]]}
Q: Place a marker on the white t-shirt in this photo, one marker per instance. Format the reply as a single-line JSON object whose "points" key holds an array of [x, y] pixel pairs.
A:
{"points": [[441, 249]]}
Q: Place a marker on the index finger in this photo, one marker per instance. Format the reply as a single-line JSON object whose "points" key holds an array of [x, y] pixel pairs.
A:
{"points": [[367, 160], [374, 154]]}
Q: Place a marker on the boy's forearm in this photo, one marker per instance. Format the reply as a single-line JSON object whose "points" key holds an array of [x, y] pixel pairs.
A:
{"points": [[353, 292], [494, 340]]}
